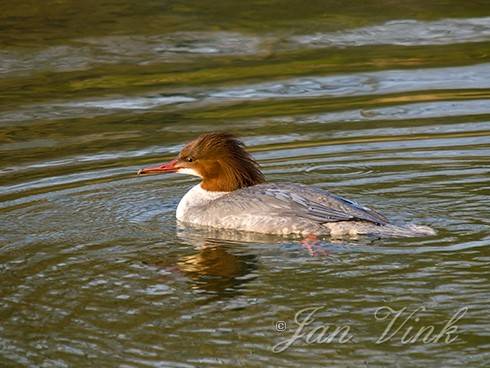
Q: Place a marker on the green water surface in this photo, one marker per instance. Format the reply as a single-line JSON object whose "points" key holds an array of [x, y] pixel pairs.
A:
{"points": [[384, 102]]}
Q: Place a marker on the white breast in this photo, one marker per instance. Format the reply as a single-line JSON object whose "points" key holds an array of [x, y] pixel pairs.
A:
{"points": [[196, 196]]}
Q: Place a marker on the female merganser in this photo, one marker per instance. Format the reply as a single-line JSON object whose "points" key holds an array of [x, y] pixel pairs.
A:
{"points": [[233, 194]]}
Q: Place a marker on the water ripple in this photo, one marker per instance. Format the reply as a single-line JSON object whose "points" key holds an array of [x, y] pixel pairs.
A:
{"points": [[404, 32], [359, 84], [85, 53]]}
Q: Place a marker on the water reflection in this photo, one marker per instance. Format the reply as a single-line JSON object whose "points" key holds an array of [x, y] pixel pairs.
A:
{"points": [[415, 110], [385, 82], [214, 268], [407, 32], [85, 53], [215, 265]]}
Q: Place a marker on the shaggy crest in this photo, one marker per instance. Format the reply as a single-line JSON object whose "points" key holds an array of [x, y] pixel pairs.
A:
{"points": [[222, 162]]}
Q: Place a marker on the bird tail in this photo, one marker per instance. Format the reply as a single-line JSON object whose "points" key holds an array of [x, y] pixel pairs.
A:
{"points": [[408, 230], [353, 228]]}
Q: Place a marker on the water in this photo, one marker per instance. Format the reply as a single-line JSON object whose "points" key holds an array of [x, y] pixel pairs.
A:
{"points": [[385, 103]]}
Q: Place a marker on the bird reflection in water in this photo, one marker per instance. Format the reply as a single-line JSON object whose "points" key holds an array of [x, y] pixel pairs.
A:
{"points": [[222, 261], [225, 260], [214, 268]]}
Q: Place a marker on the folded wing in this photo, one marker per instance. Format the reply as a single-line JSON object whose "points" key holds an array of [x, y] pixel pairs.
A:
{"points": [[295, 200]]}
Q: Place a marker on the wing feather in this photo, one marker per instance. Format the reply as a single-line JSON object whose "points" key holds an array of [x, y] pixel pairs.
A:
{"points": [[297, 200]]}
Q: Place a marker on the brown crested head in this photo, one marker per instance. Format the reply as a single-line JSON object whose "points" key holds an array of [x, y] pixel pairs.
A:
{"points": [[220, 159]]}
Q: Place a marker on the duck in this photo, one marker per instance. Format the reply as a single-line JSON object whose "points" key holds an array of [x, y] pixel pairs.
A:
{"points": [[233, 194]]}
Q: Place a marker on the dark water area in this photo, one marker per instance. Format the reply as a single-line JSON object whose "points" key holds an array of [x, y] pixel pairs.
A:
{"points": [[383, 102]]}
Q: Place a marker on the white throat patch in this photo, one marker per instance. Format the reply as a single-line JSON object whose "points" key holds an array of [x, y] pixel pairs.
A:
{"points": [[188, 171]]}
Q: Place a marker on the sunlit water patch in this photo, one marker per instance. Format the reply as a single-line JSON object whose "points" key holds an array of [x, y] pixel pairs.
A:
{"points": [[362, 84], [85, 53], [406, 32]]}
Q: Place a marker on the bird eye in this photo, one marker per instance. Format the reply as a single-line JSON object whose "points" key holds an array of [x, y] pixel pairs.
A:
{"points": [[189, 159]]}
